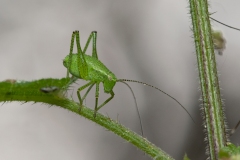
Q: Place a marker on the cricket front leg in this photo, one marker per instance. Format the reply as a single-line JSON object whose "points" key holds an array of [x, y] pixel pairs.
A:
{"points": [[111, 97]]}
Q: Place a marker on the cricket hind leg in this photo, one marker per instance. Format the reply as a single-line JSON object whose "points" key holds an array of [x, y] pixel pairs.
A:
{"points": [[93, 36], [71, 52], [94, 47], [81, 62]]}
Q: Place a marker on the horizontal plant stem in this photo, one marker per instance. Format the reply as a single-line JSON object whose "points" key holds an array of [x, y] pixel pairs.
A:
{"points": [[49, 91]]}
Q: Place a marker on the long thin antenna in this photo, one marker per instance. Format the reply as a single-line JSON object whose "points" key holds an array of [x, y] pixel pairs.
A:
{"points": [[139, 116], [225, 24], [234, 129], [128, 80]]}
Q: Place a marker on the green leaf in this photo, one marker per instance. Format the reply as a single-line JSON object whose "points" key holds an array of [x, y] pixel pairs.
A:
{"points": [[185, 157], [230, 152]]}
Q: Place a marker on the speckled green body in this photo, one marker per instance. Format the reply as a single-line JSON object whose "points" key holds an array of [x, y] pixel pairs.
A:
{"points": [[97, 71], [89, 68]]}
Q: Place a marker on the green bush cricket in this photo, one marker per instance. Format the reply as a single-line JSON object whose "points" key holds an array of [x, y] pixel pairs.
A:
{"points": [[89, 68]]}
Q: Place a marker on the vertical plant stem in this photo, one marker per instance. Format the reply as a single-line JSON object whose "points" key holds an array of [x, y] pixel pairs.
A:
{"points": [[212, 104]]}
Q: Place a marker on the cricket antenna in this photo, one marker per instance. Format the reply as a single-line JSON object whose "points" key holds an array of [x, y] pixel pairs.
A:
{"points": [[234, 129], [139, 117], [224, 24], [128, 80]]}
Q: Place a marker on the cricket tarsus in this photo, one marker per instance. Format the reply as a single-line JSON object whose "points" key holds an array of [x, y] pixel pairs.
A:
{"points": [[128, 80]]}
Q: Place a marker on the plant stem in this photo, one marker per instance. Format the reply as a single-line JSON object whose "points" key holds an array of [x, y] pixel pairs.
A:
{"points": [[212, 104], [49, 91]]}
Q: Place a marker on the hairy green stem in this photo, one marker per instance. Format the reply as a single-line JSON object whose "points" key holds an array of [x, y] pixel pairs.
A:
{"points": [[212, 103], [53, 91]]}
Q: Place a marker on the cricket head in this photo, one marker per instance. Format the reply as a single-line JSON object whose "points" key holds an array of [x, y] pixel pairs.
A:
{"points": [[109, 83]]}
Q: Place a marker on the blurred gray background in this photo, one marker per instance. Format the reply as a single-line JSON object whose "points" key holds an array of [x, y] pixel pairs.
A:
{"points": [[149, 41]]}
